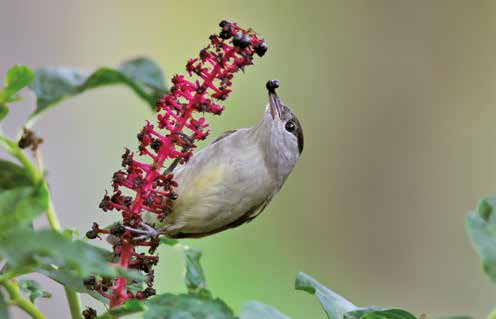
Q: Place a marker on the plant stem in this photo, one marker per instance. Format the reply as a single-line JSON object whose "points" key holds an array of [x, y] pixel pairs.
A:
{"points": [[72, 296], [19, 154], [119, 294], [53, 220], [37, 174], [74, 303], [14, 150], [16, 299], [19, 271]]}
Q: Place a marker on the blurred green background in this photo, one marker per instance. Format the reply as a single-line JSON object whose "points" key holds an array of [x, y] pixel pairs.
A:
{"points": [[398, 104]]}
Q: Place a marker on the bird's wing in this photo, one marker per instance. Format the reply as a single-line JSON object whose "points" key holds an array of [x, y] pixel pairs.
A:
{"points": [[225, 134], [245, 218], [250, 214]]}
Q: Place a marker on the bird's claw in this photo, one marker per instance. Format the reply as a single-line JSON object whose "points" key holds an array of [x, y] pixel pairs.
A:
{"points": [[146, 231]]}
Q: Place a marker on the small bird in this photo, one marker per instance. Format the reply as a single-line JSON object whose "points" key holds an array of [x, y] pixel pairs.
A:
{"points": [[232, 180]]}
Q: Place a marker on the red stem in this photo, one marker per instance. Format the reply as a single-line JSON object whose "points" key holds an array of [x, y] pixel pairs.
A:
{"points": [[119, 292], [120, 295]]}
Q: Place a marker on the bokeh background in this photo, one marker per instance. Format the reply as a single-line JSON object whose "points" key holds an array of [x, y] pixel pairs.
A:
{"points": [[398, 104]]}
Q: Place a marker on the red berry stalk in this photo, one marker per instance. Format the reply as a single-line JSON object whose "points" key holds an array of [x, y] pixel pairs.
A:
{"points": [[180, 125]]}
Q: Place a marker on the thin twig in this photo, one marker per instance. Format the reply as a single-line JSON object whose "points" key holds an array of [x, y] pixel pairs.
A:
{"points": [[17, 299]]}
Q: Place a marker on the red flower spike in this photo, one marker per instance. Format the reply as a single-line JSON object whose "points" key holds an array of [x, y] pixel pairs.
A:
{"points": [[180, 115]]}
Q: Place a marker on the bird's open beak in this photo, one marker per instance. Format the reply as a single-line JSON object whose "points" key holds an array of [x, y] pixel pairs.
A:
{"points": [[274, 102]]}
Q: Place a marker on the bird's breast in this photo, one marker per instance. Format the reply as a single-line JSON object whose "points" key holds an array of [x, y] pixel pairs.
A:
{"points": [[219, 193]]}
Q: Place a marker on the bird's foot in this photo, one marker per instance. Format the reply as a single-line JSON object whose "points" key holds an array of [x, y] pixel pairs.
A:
{"points": [[146, 231]]}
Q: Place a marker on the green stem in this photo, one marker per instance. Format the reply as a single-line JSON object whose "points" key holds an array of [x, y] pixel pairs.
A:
{"points": [[14, 150], [17, 299], [19, 154], [53, 220], [72, 296], [14, 273], [37, 175], [74, 303]]}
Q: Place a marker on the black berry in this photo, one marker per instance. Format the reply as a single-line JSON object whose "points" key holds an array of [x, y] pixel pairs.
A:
{"points": [[90, 282], [148, 292], [225, 34], [89, 313], [91, 234], [261, 49], [272, 85], [224, 23], [241, 40]]}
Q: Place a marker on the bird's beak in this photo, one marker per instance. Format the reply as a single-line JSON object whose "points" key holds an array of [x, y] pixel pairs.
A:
{"points": [[275, 103]]}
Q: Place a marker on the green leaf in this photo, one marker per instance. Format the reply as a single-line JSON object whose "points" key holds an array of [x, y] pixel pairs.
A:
{"points": [[68, 275], [482, 232], [49, 247], [360, 312], [4, 110], [13, 175], [17, 78], [486, 209], [389, 314], [334, 305], [135, 286], [49, 250], [129, 307], [33, 289], [168, 242], [130, 274], [142, 75], [71, 233], [257, 310], [145, 72], [186, 306], [69, 279], [19, 206], [195, 277], [458, 317], [4, 308]]}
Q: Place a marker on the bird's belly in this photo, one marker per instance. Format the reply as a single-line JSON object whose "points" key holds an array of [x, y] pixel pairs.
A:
{"points": [[215, 198]]}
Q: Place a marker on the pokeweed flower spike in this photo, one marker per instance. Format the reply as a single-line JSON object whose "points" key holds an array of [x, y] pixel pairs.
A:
{"points": [[179, 125]]}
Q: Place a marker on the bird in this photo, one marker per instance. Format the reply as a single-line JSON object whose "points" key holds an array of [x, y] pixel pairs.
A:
{"points": [[233, 179]]}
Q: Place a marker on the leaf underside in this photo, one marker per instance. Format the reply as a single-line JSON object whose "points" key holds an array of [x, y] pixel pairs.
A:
{"points": [[257, 310], [186, 306], [142, 75], [481, 228], [334, 305]]}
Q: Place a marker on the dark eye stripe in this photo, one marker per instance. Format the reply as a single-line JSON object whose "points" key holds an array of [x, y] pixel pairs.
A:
{"points": [[299, 134]]}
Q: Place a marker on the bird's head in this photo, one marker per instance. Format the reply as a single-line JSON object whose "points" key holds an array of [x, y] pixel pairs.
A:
{"points": [[281, 132]]}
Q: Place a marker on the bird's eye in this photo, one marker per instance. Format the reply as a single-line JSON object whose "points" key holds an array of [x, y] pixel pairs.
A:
{"points": [[290, 126]]}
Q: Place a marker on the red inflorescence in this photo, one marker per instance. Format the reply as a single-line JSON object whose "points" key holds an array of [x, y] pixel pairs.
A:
{"points": [[180, 115]]}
